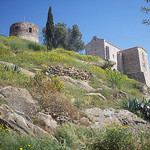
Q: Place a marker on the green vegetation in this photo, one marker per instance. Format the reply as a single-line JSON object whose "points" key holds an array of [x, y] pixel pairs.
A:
{"points": [[69, 136], [116, 78], [52, 93], [9, 141], [141, 108], [58, 36], [67, 38], [49, 30], [22, 54]]}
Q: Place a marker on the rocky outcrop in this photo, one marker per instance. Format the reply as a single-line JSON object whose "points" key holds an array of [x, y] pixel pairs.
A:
{"points": [[20, 100], [68, 81], [123, 117], [46, 122], [143, 88], [16, 122]]}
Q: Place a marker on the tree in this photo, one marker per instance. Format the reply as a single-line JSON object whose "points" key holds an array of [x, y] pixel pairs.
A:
{"points": [[60, 35], [146, 10], [75, 43], [49, 37], [67, 38]]}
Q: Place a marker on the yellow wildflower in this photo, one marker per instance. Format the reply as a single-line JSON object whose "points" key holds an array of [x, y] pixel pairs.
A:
{"points": [[142, 131]]}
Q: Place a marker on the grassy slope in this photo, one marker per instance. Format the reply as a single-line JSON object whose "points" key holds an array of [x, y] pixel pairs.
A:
{"points": [[30, 55]]}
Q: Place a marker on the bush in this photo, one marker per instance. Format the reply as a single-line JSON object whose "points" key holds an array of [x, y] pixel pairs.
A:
{"points": [[4, 50], [116, 78], [107, 64], [51, 84], [36, 46], [9, 141], [116, 137]]}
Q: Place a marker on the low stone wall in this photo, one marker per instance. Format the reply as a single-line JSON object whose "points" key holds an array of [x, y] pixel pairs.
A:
{"points": [[72, 72]]}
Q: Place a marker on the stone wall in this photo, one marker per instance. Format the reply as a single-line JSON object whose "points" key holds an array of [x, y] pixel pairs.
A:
{"points": [[143, 60], [103, 49], [112, 53], [25, 30], [131, 63], [96, 47]]}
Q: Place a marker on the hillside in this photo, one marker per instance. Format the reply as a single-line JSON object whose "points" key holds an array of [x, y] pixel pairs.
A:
{"points": [[68, 98]]}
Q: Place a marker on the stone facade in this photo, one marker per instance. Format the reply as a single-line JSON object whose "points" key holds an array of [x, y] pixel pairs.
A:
{"points": [[132, 61], [25, 30]]}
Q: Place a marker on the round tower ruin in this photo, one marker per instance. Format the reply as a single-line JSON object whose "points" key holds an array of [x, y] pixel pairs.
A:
{"points": [[25, 30]]}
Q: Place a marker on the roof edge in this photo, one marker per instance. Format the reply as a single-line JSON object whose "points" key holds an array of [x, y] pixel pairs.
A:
{"points": [[134, 48]]}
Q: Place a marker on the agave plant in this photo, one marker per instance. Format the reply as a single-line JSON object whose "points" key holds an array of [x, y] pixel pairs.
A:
{"points": [[139, 107], [13, 68]]}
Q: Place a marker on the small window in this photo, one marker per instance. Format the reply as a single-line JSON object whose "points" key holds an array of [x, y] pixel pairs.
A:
{"points": [[95, 49], [30, 30], [113, 56]]}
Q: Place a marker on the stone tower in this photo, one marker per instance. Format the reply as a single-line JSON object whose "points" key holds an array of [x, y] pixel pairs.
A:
{"points": [[25, 30]]}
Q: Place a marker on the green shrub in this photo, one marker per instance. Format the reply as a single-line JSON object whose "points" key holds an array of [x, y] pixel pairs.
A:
{"points": [[9, 141], [51, 84], [36, 46], [116, 137], [116, 78], [107, 64]]}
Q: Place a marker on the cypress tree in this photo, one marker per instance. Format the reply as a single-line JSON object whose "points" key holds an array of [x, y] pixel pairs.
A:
{"points": [[50, 30]]}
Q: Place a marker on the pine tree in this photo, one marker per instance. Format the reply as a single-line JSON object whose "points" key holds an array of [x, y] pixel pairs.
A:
{"points": [[49, 30]]}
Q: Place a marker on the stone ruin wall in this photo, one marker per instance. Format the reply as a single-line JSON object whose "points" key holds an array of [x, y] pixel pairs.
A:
{"points": [[133, 61], [111, 53], [143, 60], [135, 64], [25, 30], [96, 47]]}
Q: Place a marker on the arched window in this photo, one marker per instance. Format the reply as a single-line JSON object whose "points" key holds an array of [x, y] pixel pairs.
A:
{"points": [[30, 30]]}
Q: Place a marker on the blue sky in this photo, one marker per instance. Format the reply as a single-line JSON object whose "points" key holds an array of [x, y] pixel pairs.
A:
{"points": [[117, 21]]}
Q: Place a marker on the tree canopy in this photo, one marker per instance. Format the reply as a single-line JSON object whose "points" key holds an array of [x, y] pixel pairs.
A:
{"points": [[67, 38]]}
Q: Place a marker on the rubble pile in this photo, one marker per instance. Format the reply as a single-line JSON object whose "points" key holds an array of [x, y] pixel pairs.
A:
{"points": [[71, 72]]}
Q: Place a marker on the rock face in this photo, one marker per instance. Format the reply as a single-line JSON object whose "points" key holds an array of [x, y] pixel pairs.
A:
{"points": [[102, 117], [20, 100], [46, 122], [78, 83], [17, 123]]}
